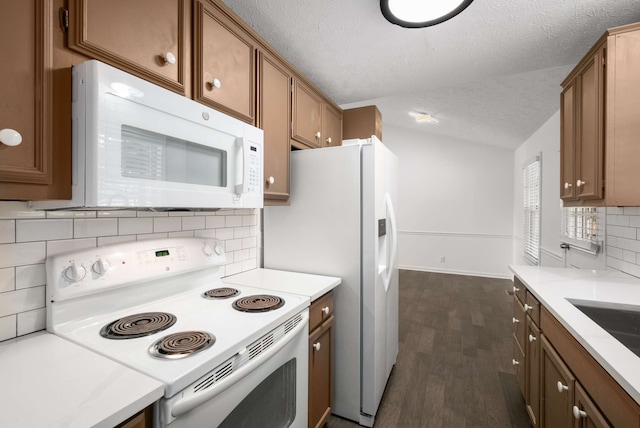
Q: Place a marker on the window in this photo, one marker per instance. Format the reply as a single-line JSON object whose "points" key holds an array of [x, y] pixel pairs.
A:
{"points": [[580, 228], [532, 210]]}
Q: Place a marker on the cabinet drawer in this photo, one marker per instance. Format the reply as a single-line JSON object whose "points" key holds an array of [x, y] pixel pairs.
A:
{"points": [[519, 290], [519, 321], [533, 308], [519, 366], [320, 310]]}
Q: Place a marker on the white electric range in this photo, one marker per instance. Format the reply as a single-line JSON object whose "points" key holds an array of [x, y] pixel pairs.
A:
{"points": [[160, 307]]}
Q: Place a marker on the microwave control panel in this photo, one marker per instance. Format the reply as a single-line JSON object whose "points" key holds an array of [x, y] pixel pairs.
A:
{"points": [[255, 181]]}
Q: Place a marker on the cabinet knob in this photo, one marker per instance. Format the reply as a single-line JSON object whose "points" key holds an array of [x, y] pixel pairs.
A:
{"points": [[515, 320], [567, 185], [169, 58], [329, 140], [216, 83], [316, 346], [580, 183], [562, 387], [10, 137], [577, 413], [325, 310], [515, 362], [527, 307], [531, 338], [318, 134], [271, 180], [515, 289]]}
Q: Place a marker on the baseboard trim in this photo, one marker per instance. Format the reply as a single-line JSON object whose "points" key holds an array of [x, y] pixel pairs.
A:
{"points": [[457, 272]]}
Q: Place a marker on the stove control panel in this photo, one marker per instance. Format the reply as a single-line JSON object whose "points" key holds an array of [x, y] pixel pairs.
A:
{"points": [[96, 270]]}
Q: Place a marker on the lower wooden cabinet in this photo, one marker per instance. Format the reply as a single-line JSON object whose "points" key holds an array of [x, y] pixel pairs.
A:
{"points": [[585, 412], [320, 360], [533, 371], [557, 389], [144, 419]]}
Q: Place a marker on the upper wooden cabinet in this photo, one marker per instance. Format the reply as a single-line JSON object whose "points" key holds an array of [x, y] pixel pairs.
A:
{"points": [[274, 117], [600, 121], [148, 38], [224, 62], [331, 126], [28, 170], [307, 115], [362, 122]]}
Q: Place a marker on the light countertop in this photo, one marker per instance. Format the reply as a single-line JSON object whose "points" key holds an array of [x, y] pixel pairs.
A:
{"points": [[312, 286], [48, 381], [556, 288]]}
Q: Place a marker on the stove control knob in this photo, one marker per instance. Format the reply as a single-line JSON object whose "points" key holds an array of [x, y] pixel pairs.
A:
{"points": [[207, 249], [74, 273], [218, 249], [100, 267]]}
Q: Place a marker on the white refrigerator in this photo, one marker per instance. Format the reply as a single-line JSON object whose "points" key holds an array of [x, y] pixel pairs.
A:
{"points": [[341, 223]]}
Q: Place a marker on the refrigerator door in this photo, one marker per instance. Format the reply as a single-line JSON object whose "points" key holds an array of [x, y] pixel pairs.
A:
{"points": [[379, 288]]}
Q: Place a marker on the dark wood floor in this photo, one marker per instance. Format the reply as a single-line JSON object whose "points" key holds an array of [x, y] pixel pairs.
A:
{"points": [[454, 363]]}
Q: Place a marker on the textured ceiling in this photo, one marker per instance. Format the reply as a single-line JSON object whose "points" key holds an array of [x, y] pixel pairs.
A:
{"points": [[491, 74]]}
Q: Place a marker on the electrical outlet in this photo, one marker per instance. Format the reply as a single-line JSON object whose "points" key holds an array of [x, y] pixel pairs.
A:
{"points": [[442, 259]]}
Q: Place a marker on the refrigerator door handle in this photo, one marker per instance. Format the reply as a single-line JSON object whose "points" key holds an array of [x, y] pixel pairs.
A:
{"points": [[393, 242]]}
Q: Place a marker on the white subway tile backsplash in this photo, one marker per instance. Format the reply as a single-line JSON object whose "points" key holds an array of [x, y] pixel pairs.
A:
{"points": [[623, 239], [7, 279], [31, 276], [134, 226], [7, 231], [167, 224], [614, 252], [630, 210], [57, 247], [40, 234], [615, 210], [617, 264], [622, 232], [21, 254], [43, 230], [629, 256], [634, 221], [85, 228], [24, 300], [31, 321], [7, 327]]}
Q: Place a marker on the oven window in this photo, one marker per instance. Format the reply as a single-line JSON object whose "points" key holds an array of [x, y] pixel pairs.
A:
{"points": [[270, 404], [154, 156]]}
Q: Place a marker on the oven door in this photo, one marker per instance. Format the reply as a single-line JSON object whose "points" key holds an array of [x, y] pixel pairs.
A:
{"points": [[270, 390]]}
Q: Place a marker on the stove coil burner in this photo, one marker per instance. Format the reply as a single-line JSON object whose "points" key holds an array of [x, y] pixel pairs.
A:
{"points": [[181, 345], [258, 303], [220, 293], [138, 325]]}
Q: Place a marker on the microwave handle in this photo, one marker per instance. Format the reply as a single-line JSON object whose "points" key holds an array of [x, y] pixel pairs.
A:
{"points": [[242, 165]]}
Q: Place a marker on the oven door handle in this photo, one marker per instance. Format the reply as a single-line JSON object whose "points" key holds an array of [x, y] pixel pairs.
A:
{"points": [[186, 404]]}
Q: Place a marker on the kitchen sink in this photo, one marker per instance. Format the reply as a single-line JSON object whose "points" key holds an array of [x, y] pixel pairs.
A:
{"points": [[623, 324]]}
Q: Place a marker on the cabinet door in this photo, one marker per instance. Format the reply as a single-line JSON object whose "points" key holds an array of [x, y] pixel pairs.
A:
{"points": [[274, 118], [320, 351], [590, 150], [532, 358], [331, 126], [557, 389], [585, 412], [147, 38], [307, 115], [224, 58], [567, 143], [519, 365], [26, 96]]}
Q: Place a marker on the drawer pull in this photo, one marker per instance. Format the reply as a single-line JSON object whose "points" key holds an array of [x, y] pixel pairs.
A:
{"points": [[515, 289], [316, 346], [531, 338], [527, 307], [325, 310], [515, 320], [515, 362], [577, 413], [561, 387], [216, 83], [169, 58], [10, 137]]}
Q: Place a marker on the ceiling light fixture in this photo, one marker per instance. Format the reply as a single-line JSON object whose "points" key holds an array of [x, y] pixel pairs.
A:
{"points": [[423, 117], [421, 13]]}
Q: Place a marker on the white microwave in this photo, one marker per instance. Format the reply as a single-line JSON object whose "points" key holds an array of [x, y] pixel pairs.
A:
{"points": [[137, 145]]}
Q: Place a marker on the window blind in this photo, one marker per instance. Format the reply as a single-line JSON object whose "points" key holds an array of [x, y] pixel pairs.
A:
{"points": [[531, 207]]}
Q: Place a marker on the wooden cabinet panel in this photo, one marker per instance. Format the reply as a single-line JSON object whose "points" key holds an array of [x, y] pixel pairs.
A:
{"points": [[519, 321], [224, 63], [320, 369], [590, 148], [307, 115], [532, 395], [137, 36], [320, 310], [274, 118], [144, 419], [567, 143], [361, 122], [519, 366], [585, 413], [557, 389], [331, 126]]}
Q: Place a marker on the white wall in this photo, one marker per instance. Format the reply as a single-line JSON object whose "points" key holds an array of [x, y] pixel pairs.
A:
{"points": [[546, 141], [456, 202], [27, 237]]}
